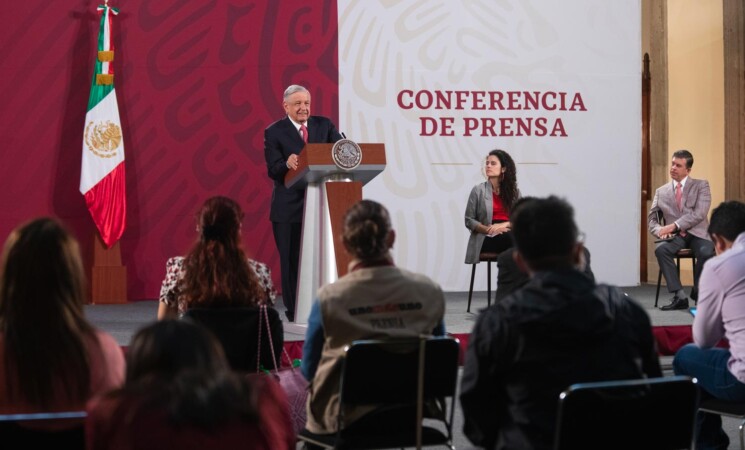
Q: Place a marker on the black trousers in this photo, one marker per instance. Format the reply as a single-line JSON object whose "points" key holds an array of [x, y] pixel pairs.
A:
{"points": [[498, 243], [287, 238]]}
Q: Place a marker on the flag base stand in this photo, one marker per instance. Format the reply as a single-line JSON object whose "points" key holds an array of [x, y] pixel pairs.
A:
{"points": [[109, 276]]}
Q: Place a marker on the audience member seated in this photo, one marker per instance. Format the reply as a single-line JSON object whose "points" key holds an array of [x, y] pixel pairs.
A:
{"points": [[228, 213], [375, 299], [559, 329], [51, 357], [720, 314], [180, 393], [511, 278], [219, 288], [489, 206]]}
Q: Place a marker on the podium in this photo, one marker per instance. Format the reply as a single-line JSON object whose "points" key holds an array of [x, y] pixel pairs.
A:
{"points": [[333, 175]]}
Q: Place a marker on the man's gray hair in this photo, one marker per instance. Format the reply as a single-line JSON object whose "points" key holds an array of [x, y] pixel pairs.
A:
{"points": [[293, 89]]}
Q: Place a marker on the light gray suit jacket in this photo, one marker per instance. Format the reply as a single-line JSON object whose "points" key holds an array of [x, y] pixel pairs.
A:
{"points": [[478, 211], [693, 218]]}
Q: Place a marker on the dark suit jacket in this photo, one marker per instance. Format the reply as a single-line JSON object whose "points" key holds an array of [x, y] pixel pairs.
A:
{"points": [[281, 139]]}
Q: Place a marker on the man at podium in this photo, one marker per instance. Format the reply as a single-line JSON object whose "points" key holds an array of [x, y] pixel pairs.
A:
{"points": [[283, 141]]}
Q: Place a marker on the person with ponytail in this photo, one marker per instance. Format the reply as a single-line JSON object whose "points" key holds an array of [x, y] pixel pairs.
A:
{"points": [[216, 272], [51, 356], [374, 300], [217, 286]]}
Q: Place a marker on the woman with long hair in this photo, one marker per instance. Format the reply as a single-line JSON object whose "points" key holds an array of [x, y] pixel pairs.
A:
{"points": [[51, 357], [219, 287], [216, 271], [489, 206], [348, 309], [180, 393]]}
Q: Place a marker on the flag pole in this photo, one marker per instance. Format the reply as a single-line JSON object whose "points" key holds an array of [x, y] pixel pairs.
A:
{"points": [[102, 174]]}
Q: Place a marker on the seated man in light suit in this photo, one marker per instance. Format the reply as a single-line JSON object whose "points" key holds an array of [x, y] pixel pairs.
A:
{"points": [[684, 206]]}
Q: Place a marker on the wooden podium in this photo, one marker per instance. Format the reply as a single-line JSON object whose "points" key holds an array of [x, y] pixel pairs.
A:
{"points": [[330, 190]]}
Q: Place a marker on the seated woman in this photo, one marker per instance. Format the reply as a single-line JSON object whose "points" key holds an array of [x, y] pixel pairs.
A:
{"points": [[214, 209], [51, 357], [180, 393], [218, 287], [350, 308], [489, 205]]}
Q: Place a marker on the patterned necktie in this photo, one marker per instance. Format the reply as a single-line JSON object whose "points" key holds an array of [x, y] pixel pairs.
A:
{"points": [[304, 132]]}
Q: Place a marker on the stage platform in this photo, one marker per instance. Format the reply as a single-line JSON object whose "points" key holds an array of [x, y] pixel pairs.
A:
{"points": [[671, 327]]}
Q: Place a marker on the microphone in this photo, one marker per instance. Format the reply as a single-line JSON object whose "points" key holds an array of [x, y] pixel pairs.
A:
{"points": [[343, 135]]}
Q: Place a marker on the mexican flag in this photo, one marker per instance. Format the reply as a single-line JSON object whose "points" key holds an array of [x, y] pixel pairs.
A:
{"points": [[102, 165]]}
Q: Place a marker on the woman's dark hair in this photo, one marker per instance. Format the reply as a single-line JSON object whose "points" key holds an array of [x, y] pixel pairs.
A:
{"points": [[216, 270], [42, 322], [366, 228], [180, 366], [508, 191]]}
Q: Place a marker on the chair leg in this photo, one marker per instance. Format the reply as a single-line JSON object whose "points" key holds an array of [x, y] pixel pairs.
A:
{"points": [[742, 435], [695, 301], [659, 282], [470, 290], [488, 284]]}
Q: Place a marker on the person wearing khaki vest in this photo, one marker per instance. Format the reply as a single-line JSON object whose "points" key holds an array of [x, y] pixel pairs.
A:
{"points": [[374, 300]]}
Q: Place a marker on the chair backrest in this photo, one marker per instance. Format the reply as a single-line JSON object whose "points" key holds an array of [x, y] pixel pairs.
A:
{"points": [[385, 371], [237, 329], [406, 380], [654, 413], [40, 430]]}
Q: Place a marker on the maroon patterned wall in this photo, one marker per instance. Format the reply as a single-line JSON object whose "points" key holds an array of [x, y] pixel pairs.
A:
{"points": [[197, 83]]}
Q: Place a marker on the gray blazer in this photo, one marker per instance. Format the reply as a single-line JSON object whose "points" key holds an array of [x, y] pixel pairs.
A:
{"points": [[478, 211], [693, 218]]}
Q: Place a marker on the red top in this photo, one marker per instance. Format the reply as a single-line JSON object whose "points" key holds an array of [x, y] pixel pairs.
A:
{"points": [[499, 213], [106, 368], [111, 425]]}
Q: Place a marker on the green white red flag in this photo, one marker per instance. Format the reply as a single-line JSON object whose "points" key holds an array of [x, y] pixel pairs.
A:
{"points": [[102, 165]]}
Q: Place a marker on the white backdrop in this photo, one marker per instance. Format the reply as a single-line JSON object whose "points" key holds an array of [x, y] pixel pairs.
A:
{"points": [[585, 51]]}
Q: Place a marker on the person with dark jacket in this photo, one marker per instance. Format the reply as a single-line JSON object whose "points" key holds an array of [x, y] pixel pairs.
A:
{"points": [[283, 142], [559, 329]]}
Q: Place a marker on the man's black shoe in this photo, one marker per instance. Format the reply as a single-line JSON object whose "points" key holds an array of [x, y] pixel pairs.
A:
{"points": [[676, 303], [290, 316]]}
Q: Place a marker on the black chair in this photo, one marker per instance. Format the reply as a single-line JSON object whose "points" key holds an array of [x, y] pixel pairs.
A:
{"points": [[488, 258], [24, 431], [401, 378], [684, 253], [655, 413], [237, 329], [728, 409]]}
